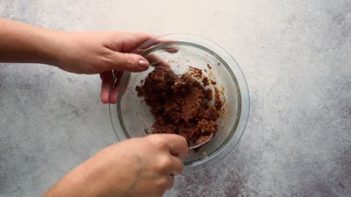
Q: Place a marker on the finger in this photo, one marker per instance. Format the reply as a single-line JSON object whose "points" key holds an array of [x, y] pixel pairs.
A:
{"points": [[114, 88], [155, 61], [177, 166], [163, 183], [170, 47], [177, 144], [129, 62], [141, 37], [170, 181], [135, 39], [106, 82], [113, 95]]}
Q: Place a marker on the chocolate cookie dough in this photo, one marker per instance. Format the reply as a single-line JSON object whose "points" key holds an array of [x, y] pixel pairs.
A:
{"points": [[181, 104]]}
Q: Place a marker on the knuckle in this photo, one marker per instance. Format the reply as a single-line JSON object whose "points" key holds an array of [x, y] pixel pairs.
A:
{"points": [[178, 167], [184, 142], [164, 164], [130, 59], [162, 183], [104, 63], [158, 141]]}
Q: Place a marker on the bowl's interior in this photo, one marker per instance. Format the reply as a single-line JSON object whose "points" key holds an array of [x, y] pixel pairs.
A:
{"points": [[134, 115]]}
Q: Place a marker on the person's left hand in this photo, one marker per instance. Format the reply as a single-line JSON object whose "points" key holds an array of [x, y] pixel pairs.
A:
{"points": [[100, 53]]}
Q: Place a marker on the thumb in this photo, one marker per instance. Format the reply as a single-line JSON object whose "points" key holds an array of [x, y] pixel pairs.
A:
{"points": [[129, 62]]}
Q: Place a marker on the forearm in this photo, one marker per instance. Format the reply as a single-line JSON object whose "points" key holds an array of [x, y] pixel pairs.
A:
{"points": [[93, 178], [20, 42], [68, 186]]}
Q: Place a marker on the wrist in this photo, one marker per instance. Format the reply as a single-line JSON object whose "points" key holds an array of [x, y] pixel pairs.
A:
{"points": [[51, 47], [71, 184]]}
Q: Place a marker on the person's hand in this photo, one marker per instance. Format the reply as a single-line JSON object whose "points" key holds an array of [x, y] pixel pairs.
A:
{"points": [[100, 53], [78, 52], [136, 167]]}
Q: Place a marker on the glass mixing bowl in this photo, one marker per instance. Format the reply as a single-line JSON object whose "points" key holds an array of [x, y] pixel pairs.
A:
{"points": [[131, 116]]}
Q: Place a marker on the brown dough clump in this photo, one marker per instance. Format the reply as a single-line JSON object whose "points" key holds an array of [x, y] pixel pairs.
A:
{"points": [[180, 104]]}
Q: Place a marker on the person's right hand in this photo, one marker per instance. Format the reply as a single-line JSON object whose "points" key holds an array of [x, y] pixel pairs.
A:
{"points": [[136, 167]]}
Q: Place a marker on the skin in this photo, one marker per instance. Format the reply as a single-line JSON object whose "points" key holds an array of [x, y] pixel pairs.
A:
{"points": [[77, 52], [137, 167]]}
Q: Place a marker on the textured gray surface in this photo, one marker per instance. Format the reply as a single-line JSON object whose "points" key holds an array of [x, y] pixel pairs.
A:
{"points": [[296, 56]]}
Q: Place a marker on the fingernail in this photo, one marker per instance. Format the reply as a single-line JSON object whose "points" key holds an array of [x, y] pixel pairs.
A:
{"points": [[143, 64]]}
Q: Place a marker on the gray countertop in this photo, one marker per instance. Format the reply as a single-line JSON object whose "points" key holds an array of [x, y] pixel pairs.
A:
{"points": [[296, 56]]}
